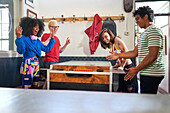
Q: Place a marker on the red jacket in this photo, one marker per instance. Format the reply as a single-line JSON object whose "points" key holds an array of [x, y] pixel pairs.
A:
{"points": [[93, 33]]}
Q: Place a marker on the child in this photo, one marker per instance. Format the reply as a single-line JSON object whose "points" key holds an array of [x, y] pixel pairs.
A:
{"points": [[52, 57], [30, 46], [108, 40]]}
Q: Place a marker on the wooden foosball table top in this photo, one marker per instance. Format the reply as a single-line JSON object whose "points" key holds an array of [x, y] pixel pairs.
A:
{"points": [[86, 66], [86, 63]]}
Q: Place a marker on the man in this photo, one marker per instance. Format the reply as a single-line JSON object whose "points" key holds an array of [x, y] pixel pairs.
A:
{"points": [[149, 51], [52, 57]]}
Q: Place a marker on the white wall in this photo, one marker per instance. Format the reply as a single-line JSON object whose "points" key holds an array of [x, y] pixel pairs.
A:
{"points": [[33, 8], [79, 40], [17, 16], [20, 10]]}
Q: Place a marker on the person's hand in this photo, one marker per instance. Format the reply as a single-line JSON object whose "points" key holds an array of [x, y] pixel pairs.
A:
{"points": [[120, 68], [113, 56], [18, 31], [67, 41], [132, 73], [52, 33], [116, 66]]}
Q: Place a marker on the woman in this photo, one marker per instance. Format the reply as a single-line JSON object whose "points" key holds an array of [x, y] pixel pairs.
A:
{"points": [[30, 46], [108, 40]]}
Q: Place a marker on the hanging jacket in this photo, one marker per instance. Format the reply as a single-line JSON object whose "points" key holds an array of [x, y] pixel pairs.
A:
{"points": [[93, 33], [110, 24]]}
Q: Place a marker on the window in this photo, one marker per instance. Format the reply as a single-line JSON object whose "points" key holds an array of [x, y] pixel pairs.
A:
{"points": [[4, 27]]}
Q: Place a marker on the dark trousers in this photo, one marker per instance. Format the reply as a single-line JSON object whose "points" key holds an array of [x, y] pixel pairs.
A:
{"points": [[47, 64], [124, 85], [149, 84]]}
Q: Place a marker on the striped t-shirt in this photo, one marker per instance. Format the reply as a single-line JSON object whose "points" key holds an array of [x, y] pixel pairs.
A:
{"points": [[152, 36]]}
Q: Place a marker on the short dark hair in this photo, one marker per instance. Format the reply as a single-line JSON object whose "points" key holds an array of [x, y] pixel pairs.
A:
{"points": [[112, 37], [145, 10], [27, 25]]}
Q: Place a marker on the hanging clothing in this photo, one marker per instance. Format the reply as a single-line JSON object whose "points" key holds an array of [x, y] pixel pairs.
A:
{"points": [[93, 33], [110, 24]]}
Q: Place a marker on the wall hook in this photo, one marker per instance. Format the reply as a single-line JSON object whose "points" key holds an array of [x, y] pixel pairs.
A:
{"points": [[43, 18], [122, 17], [85, 18], [74, 19], [63, 19], [53, 18]]}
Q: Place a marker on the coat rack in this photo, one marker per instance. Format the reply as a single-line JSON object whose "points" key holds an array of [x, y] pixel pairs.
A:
{"points": [[74, 18]]}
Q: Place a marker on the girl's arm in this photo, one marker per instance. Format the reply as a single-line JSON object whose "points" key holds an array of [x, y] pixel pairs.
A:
{"points": [[49, 46], [19, 41]]}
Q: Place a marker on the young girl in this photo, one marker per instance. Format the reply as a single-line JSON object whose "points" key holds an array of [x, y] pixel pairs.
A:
{"points": [[30, 46], [108, 40]]}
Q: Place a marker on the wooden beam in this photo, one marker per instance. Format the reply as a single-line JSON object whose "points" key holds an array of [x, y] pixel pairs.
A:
{"points": [[83, 18]]}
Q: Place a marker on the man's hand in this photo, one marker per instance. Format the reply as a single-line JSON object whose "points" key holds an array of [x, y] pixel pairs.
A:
{"points": [[113, 56], [52, 33], [18, 31], [65, 45], [132, 73], [67, 41]]}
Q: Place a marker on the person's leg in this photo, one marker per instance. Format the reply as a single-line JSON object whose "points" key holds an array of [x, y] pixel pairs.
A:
{"points": [[122, 84], [36, 72], [26, 81], [26, 75], [119, 84], [149, 84], [131, 85], [47, 65]]}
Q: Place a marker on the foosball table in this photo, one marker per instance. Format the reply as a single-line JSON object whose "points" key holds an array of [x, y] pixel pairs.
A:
{"points": [[81, 75]]}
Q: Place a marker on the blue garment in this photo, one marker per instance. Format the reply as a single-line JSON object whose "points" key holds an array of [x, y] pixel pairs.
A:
{"points": [[29, 48]]}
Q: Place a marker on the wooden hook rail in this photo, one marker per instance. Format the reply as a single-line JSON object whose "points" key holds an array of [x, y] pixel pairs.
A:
{"points": [[82, 18]]}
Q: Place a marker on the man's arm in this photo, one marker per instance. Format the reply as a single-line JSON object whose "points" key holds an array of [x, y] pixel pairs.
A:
{"points": [[148, 60], [65, 45], [129, 54], [63, 48]]}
